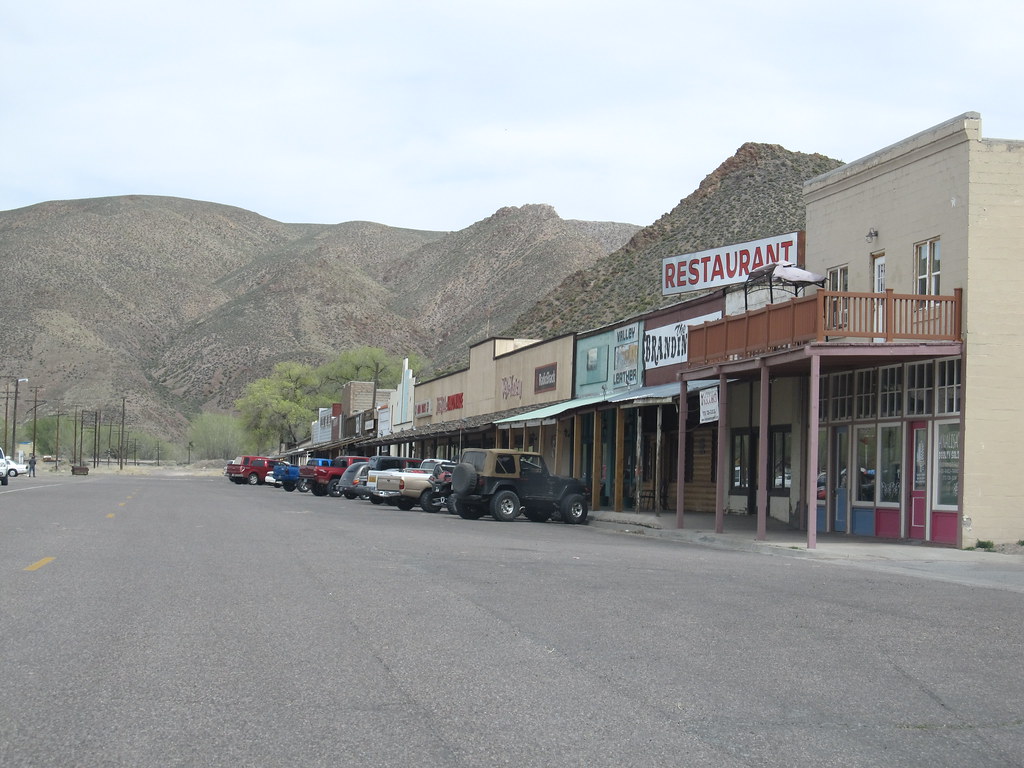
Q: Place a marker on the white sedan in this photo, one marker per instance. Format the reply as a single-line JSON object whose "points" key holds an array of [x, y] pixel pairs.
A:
{"points": [[15, 468]]}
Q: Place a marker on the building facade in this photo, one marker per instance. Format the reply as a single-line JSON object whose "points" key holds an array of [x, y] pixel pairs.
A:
{"points": [[880, 405]]}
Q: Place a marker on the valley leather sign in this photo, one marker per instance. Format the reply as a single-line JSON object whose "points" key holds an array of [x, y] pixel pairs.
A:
{"points": [[728, 264]]}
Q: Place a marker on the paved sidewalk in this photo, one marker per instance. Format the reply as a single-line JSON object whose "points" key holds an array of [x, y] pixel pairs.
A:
{"points": [[969, 567]]}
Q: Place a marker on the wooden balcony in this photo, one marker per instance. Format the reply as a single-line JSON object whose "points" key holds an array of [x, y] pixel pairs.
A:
{"points": [[825, 316]]}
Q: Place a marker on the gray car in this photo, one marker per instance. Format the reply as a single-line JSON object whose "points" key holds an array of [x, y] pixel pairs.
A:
{"points": [[349, 483]]}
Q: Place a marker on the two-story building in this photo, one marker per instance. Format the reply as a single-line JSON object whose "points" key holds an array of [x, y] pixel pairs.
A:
{"points": [[882, 404]]}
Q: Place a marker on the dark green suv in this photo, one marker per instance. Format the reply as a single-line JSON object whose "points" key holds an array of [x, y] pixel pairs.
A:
{"points": [[502, 483]]}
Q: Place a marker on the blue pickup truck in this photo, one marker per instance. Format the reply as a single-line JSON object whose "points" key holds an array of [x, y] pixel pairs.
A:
{"points": [[287, 475]]}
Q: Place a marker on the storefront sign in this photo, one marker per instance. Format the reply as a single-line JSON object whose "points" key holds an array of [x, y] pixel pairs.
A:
{"points": [[423, 408], [708, 405], [668, 345], [626, 356], [447, 403], [545, 378], [726, 265], [511, 388]]}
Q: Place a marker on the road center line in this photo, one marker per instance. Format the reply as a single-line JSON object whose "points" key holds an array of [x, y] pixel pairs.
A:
{"points": [[39, 564]]}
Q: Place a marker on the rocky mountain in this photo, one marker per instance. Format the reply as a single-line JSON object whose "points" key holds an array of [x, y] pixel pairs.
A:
{"points": [[756, 193], [177, 304]]}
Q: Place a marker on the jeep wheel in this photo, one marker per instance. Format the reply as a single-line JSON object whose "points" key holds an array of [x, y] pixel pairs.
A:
{"points": [[348, 494], [288, 486], [574, 509], [505, 506], [464, 510], [253, 478], [463, 477], [535, 515], [429, 502], [303, 486], [334, 489]]}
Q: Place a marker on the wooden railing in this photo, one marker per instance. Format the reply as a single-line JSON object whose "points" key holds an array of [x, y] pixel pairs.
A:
{"points": [[824, 316]]}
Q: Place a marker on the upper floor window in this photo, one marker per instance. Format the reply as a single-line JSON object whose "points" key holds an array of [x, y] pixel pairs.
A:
{"points": [[928, 267]]}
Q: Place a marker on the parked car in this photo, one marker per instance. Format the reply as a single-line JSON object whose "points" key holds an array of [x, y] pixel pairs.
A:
{"points": [[385, 463], [249, 469], [359, 483], [348, 484], [15, 468], [406, 489], [502, 483]]}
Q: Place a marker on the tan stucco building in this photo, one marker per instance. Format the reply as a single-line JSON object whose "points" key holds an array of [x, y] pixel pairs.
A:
{"points": [[893, 382]]}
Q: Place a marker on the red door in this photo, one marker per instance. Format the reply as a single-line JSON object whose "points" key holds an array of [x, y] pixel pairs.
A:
{"points": [[917, 460]]}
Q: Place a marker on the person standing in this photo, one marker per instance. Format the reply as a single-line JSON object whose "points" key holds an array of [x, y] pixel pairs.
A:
{"points": [[32, 465]]}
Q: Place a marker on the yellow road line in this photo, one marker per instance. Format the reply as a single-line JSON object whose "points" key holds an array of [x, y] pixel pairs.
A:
{"points": [[110, 515], [37, 565]]}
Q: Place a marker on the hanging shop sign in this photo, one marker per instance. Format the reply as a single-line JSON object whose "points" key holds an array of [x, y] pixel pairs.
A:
{"points": [[708, 405]]}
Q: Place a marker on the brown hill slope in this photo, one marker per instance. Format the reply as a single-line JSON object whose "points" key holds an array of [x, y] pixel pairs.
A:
{"points": [[177, 304], [756, 193]]}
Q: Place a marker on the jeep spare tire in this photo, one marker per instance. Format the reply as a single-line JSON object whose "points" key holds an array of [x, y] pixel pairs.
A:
{"points": [[463, 478]]}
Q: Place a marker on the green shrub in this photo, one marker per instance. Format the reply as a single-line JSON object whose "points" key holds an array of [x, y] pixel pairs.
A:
{"points": [[982, 544]]}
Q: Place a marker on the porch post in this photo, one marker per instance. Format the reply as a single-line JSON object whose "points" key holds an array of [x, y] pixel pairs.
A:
{"points": [[620, 458], [597, 481], [722, 480], [811, 479], [638, 467], [762, 456], [681, 456], [658, 499]]}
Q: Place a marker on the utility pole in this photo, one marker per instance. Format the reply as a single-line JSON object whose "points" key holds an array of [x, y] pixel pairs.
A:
{"points": [[7, 397], [14, 418], [56, 447], [35, 415], [120, 437]]}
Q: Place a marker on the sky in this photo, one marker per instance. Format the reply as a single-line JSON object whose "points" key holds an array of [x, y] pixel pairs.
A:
{"points": [[433, 115]]}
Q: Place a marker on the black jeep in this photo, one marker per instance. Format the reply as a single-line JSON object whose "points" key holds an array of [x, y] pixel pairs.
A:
{"points": [[502, 483]]}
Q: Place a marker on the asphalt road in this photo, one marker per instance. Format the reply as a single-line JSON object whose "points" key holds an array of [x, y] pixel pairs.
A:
{"points": [[192, 622]]}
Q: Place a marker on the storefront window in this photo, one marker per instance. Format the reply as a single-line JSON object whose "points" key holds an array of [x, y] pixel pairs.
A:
{"points": [[947, 461], [919, 389], [867, 450], [891, 391], [781, 459], [842, 396], [948, 386], [890, 464], [740, 478], [867, 397]]}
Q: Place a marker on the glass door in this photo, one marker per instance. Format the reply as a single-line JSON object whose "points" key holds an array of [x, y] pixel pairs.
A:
{"points": [[841, 478], [917, 447]]}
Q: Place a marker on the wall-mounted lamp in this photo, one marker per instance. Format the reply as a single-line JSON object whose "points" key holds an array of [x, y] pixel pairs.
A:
{"points": [[871, 235]]}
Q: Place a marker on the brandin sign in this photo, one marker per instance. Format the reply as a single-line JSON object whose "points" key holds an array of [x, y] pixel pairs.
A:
{"points": [[728, 264]]}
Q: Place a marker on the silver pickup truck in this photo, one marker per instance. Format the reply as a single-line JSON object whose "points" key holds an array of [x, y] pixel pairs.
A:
{"points": [[406, 488]]}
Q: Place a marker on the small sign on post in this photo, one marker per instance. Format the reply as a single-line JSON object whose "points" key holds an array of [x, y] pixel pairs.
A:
{"points": [[708, 405]]}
